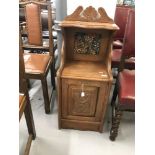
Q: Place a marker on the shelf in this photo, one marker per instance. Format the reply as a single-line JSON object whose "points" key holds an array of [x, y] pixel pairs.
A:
{"points": [[85, 70]]}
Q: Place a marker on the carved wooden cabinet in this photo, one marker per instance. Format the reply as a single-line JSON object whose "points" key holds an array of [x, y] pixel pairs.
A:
{"points": [[84, 78]]}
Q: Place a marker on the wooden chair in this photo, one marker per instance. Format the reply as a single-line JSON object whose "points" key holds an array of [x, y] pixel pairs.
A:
{"points": [[124, 87], [37, 66], [128, 44], [24, 104]]}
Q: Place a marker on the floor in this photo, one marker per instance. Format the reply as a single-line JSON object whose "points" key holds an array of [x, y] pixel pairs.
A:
{"points": [[52, 141]]}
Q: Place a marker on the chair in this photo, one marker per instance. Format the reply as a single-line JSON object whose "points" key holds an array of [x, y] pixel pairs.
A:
{"points": [[128, 44], [121, 15], [125, 83], [37, 66], [24, 104]]}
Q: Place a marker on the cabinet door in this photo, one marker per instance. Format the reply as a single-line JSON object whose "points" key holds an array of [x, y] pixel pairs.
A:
{"points": [[88, 106]]}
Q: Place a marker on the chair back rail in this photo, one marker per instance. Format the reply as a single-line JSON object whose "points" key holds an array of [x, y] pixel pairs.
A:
{"points": [[34, 22], [128, 49], [121, 15], [129, 38]]}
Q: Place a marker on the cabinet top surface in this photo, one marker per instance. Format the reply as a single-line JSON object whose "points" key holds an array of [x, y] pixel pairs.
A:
{"points": [[87, 25], [85, 70]]}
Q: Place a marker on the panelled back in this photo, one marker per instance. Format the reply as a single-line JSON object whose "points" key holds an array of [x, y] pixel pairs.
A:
{"points": [[36, 37], [33, 21], [86, 45], [129, 37], [120, 19]]}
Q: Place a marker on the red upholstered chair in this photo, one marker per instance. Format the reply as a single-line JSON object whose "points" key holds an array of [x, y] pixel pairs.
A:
{"points": [[121, 15], [128, 43], [37, 66], [125, 85]]}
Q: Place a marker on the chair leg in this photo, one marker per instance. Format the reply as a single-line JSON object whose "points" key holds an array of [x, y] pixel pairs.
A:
{"points": [[114, 95], [28, 83], [29, 119], [53, 75], [115, 124], [45, 95]]}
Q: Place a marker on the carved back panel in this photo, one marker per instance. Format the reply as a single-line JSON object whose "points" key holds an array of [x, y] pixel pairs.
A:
{"points": [[89, 45]]}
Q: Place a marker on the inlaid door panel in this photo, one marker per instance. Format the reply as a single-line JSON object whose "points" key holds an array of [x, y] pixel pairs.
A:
{"points": [[80, 106]]}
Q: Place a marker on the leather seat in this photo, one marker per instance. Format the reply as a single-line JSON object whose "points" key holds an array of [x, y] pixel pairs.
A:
{"points": [[116, 57], [126, 93], [36, 63]]}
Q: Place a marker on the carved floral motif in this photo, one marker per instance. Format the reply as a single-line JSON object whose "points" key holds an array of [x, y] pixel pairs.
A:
{"points": [[82, 105], [88, 44]]}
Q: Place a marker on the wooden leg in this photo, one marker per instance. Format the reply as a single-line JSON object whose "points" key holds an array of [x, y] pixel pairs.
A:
{"points": [[115, 124], [28, 83], [45, 95], [28, 145], [53, 75], [29, 119], [113, 100]]}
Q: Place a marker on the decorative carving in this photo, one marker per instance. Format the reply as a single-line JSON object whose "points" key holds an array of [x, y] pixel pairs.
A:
{"points": [[81, 104], [90, 15], [88, 44], [115, 124]]}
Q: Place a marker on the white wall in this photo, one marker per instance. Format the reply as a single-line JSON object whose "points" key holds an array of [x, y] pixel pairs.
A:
{"points": [[108, 5]]}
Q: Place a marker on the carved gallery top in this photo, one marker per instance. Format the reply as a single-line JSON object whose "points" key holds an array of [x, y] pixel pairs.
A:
{"points": [[32, 1], [89, 18]]}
